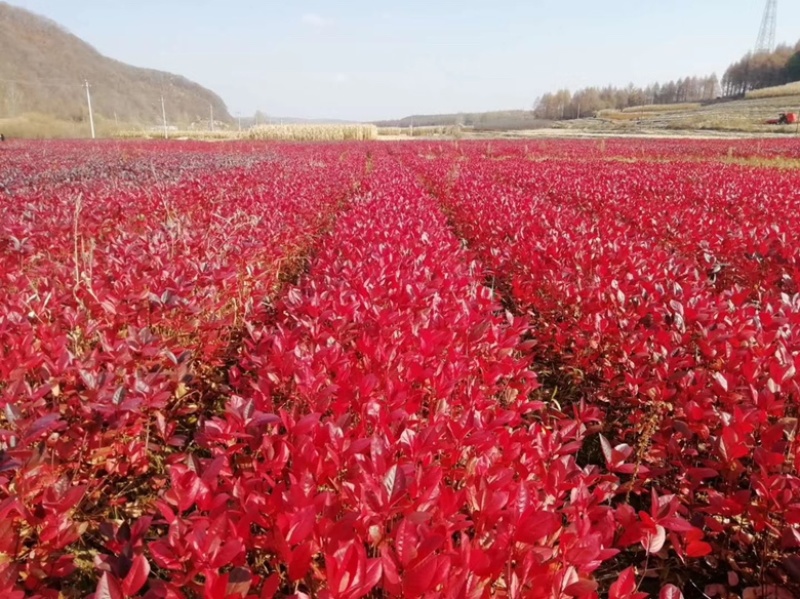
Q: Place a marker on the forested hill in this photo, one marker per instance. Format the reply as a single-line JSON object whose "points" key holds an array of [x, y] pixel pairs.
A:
{"points": [[43, 67]]}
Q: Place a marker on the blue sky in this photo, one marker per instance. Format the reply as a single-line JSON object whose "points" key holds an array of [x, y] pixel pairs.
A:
{"points": [[364, 60]]}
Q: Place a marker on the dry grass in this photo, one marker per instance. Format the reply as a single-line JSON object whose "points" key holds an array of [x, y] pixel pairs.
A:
{"points": [[663, 107], [653, 110], [300, 132], [426, 131], [712, 124], [615, 115], [736, 124], [777, 163], [293, 132], [34, 125], [392, 131], [779, 91], [155, 133]]}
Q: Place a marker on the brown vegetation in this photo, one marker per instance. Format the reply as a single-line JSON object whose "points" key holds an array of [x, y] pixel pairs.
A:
{"points": [[779, 91], [762, 70], [662, 107], [34, 125], [743, 78], [565, 104], [299, 132]]}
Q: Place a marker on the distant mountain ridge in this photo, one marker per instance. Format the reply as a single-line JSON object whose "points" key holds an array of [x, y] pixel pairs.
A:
{"points": [[43, 68], [492, 120]]}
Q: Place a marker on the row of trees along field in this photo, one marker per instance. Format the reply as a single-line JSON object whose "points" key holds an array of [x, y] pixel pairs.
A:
{"points": [[564, 104], [752, 71], [765, 69]]}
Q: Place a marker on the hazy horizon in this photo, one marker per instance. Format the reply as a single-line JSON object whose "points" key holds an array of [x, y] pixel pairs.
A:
{"points": [[384, 60]]}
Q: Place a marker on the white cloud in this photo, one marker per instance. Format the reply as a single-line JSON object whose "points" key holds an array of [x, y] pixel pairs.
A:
{"points": [[313, 19]]}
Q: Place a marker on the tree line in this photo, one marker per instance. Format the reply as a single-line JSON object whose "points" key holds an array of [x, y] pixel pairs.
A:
{"points": [[751, 72], [764, 69], [564, 104]]}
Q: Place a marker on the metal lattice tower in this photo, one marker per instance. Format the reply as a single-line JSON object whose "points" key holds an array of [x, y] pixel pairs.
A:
{"points": [[766, 35]]}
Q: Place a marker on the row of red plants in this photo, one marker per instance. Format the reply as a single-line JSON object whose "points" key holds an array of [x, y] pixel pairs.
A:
{"points": [[665, 292], [128, 280], [384, 438], [775, 152], [257, 370]]}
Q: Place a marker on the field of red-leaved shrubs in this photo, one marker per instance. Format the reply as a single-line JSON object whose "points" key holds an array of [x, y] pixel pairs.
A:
{"points": [[463, 370]]}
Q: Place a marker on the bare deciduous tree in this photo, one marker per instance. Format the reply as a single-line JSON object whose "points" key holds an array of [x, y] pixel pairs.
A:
{"points": [[588, 101]]}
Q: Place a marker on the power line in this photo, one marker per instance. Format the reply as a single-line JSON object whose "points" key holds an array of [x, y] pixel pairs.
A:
{"points": [[766, 33]]}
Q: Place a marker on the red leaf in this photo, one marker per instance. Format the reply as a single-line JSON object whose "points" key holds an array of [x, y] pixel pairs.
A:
{"points": [[698, 549], [537, 525], [227, 553], [213, 470], [188, 494], [676, 524], [670, 592], [374, 573], [270, 587], [306, 424], [166, 511], [523, 499], [215, 585], [72, 498], [721, 380], [405, 543], [624, 586], [389, 567], [239, 581], [163, 555], [45, 424], [702, 473], [417, 580], [608, 452], [731, 447], [302, 525], [300, 562], [8, 576], [137, 575], [654, 542], [581, 588], [394, 483], [108, 588], [345, 569]]}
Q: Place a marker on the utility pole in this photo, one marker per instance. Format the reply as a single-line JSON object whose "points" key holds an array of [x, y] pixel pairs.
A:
{"points": [[164, 116], [89, 102]]}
